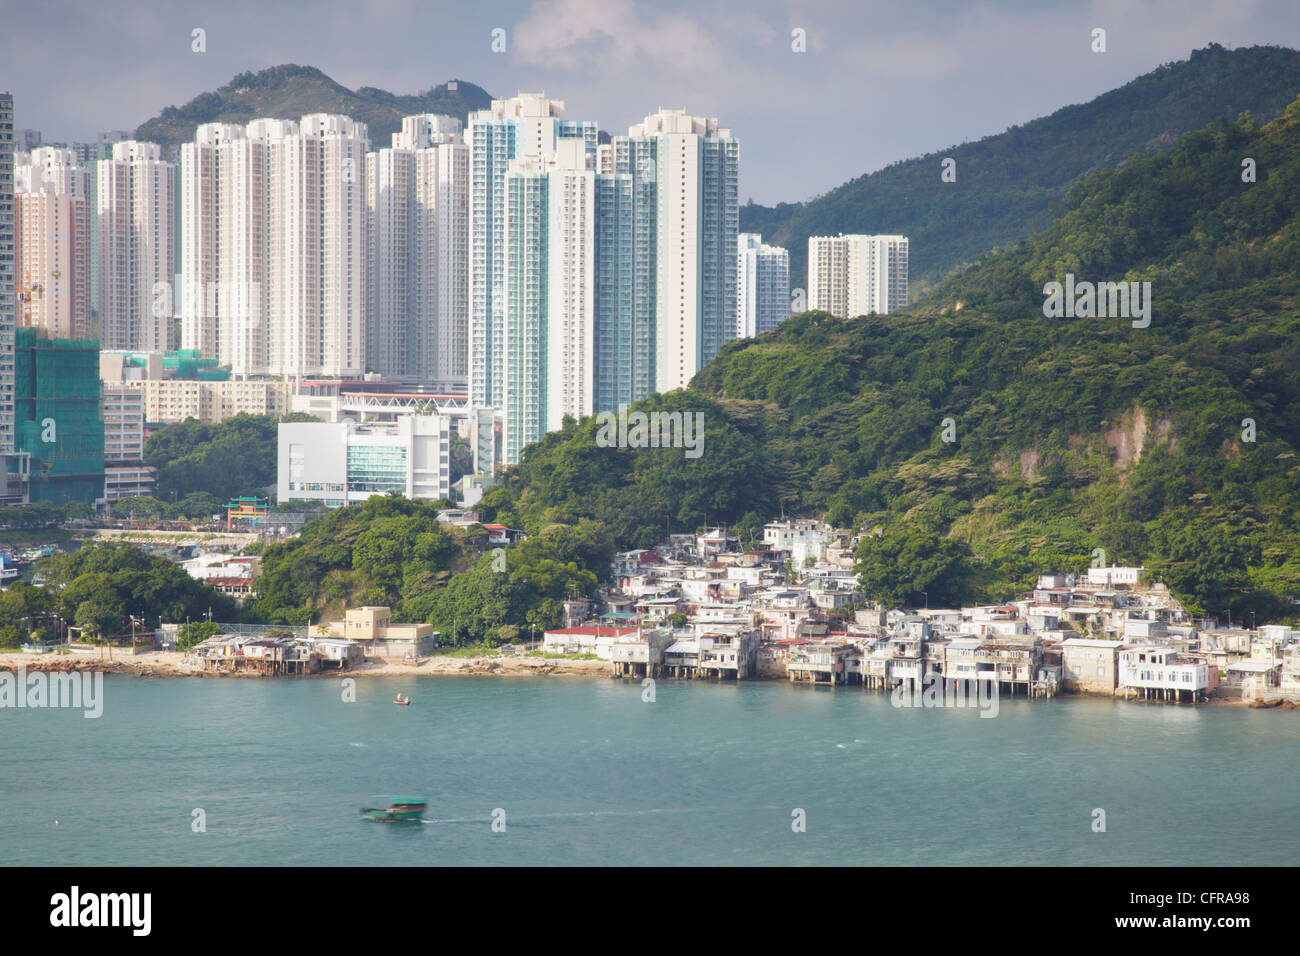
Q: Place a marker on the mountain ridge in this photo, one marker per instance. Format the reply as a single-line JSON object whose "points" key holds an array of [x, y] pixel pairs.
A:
{"points": [[291, 91], [1011, 183]]}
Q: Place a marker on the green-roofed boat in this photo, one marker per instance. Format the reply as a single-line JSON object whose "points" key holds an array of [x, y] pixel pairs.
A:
{"points": [[399, 810]]}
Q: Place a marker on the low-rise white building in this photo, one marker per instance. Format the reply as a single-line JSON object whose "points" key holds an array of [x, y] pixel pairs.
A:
{"points": [[585, 640], [341, 463], [1165, 674], [1109, 577]]}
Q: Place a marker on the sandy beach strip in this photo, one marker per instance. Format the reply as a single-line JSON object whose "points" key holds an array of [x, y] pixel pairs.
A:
{"points": [[175, 664]]}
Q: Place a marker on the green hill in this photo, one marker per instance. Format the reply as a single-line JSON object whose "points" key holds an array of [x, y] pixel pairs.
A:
{"points": [[291, 92], [1015, 182], [1070, 434], [393, 551]]}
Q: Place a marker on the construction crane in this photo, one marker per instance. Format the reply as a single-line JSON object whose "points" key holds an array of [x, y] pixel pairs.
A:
{"points": [[25, 294]]}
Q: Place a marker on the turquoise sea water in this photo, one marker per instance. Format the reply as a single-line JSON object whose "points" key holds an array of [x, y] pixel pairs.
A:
{"points": [[588, 773]]}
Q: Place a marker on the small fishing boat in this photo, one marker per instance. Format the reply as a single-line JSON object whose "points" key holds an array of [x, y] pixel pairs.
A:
{"points": [[402, 701], [399, 809]]}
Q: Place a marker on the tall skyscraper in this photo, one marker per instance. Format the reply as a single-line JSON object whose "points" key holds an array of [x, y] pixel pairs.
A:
{"points": [[207, 199], [621, 356], [318, 245], [852, 275], [762, 286], [89, 155], [51, 237], [694, 165], [7, 264], [525, 126], [417, 195], [136, 265], [274, 249], [525, 288], [636, 159], [570, 300]]}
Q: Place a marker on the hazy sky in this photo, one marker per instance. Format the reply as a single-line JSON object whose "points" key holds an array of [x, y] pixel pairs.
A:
{"points": [[879, 82]]}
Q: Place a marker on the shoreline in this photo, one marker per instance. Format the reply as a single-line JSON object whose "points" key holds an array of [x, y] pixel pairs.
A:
{"points": [[165, 664], [173, 664]]}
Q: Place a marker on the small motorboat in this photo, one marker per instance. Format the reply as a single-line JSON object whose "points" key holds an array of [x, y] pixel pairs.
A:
{"points": [[399, 810], [402, 701]]}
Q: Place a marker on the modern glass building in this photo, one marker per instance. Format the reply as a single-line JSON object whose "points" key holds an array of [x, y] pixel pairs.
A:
{"points": [[638, 158], [377, 469], [341, 463], [616, 345], [526, 287], [686, 188], [523, 126], [57, 412]]}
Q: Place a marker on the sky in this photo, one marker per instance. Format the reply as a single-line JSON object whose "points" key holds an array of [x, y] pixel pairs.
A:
{"points": [[874, 83]]}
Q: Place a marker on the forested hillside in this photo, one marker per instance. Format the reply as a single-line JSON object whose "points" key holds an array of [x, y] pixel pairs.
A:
{"points": [[392, 551], [1015, 182], [1173, 445]]}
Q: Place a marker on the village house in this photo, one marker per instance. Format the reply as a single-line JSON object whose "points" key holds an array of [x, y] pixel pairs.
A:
{"points": [[458, 517], [819, 663], [1112, 577], [639, 655], [587, 639], [681, 657], [372, 627], [800, 538], [1154, 672], [1289, 679], [1252, 677], [1090, 666], [657, 609], [716, 542], [728, 655]]}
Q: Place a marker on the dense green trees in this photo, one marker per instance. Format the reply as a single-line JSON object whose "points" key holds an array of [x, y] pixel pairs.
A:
{"points": [[376, 552], [100, 587], [908, 565], [24, 611], [42, 514], [636, 495], [194, 506], [231, 458], [492, 605], [393, 551]]}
